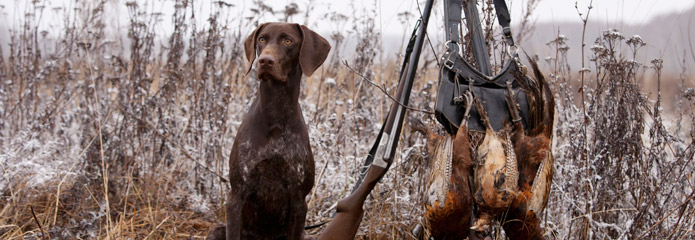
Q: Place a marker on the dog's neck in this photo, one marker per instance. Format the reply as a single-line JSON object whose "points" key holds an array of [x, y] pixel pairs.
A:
{"points": [[280, 100]]}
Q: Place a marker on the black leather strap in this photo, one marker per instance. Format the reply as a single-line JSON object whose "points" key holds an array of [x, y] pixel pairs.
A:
{"points": [[452, 17], [504, 20]]}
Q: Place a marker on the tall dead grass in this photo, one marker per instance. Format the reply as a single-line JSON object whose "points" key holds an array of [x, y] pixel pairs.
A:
{"points": [[129, 138]]}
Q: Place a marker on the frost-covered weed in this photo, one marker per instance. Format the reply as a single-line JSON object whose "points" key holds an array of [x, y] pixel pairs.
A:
{"points": [[637, 166], [129, 138]]}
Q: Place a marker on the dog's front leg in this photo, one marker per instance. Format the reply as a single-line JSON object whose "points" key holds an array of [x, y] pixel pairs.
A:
{"points": [[233, 206], [298, 216]]}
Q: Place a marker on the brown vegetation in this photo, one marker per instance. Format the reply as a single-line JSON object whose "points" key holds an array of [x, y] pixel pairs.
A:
{"points": [[113, 138]]}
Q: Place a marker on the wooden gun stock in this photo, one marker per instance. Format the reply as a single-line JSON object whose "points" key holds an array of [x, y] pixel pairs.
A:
{"points": [[349, 211]]}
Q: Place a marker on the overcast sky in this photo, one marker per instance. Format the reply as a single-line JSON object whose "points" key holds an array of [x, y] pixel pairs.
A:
{"points": [[609, 11]]}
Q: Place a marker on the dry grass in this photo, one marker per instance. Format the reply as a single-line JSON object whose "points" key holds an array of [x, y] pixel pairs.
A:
{"points": [[104, 143]]}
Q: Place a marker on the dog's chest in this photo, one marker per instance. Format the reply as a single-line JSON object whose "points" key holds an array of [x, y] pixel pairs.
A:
{"points": [[281, 159]]}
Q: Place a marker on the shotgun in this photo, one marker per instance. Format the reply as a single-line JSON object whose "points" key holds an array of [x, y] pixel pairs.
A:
{"points": [[349, 211]]}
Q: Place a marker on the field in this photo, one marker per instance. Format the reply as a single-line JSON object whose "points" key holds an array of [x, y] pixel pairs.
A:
{"points": [[126, 135]]}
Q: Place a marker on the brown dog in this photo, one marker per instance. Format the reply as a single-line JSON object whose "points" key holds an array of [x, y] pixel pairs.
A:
{"points": [[271, 167]]}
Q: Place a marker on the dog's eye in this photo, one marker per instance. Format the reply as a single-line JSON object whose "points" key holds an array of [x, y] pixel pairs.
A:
{"points": [[261, 39], [288, 41]]}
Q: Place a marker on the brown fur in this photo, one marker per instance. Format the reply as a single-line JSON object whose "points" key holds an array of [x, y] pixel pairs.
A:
{"points": [[271, 167]]}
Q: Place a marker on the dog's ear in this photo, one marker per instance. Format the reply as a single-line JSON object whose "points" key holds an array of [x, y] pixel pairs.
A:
{"points": [[250, 46], [313, 51]]}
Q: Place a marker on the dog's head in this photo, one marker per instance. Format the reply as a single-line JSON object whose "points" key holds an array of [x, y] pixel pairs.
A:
{"points": [[281, 46]]}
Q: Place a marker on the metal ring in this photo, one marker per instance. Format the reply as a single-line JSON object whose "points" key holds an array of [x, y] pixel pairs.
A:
{"points": [[450, 43], [509, 51]]}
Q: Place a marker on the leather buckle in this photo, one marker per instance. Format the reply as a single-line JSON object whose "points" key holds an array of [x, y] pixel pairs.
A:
{"points": [[448, 63]]}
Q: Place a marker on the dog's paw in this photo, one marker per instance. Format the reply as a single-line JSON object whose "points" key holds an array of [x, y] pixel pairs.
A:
{"points": [[217, 233]]}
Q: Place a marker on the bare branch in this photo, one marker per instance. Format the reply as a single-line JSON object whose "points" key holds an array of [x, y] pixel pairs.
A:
{"points": [[384, 90]]}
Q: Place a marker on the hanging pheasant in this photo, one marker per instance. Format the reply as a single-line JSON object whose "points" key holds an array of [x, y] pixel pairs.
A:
{"points": [[496, 174], [448, 201], [513, 173], [535, 160]]}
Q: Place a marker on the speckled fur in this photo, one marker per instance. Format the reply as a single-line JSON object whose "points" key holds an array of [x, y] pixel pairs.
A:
{"points": [[271, 166]]}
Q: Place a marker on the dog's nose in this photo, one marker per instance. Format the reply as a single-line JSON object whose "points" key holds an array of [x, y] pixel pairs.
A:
{"points": [[266, 60]]}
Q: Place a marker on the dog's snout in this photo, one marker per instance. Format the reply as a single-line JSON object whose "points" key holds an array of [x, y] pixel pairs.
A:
{"points": [[266, 60]]}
